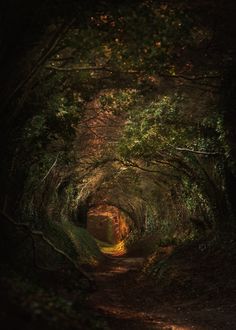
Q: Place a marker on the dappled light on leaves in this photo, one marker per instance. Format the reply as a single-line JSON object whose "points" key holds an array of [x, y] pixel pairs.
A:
{"points": [[118, 174]]}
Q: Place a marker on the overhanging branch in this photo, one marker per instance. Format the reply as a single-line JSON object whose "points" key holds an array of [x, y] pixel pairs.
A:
{"points": [[200, 152], [77, 68]]}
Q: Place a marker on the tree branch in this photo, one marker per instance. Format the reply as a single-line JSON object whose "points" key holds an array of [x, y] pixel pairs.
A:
{"points": [[26, 227], [49, 171], [191, 78], [200, 152], [77, 68], [56, 38], [89, 68]]}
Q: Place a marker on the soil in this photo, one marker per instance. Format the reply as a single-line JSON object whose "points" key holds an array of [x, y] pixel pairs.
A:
{"points": [[129, 302], [195, 288]]}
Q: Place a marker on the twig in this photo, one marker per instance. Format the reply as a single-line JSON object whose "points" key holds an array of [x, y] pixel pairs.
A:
{"points": [[49, 171]]}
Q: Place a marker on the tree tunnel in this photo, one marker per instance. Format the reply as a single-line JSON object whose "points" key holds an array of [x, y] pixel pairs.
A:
{"points": [[117, 127], [92, 117]]}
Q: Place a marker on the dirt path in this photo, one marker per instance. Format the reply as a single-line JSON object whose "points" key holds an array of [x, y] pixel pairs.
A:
{"points": [[112, 298], [127, 303], [123, 300]]}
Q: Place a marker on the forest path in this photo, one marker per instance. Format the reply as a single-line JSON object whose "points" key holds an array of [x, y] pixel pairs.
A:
{"points": [[123, 300], [129, 303], [115, 279]]}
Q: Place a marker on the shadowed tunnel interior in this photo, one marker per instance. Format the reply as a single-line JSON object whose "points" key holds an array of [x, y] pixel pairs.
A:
{"points": [[118, 165]]}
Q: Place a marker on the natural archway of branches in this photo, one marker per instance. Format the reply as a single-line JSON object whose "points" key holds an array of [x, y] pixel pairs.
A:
{"points": [[118, 168]]}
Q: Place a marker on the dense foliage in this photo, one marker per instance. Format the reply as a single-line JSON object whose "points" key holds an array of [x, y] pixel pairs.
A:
{"points": [[138, 66], [126, 105]]}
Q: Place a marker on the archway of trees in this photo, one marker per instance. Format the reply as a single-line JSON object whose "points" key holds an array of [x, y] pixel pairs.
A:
{"points": [[117, 125]]}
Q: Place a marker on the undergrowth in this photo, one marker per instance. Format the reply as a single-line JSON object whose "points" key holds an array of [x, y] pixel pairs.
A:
{"points": [[194, 269], [38, 303]]}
